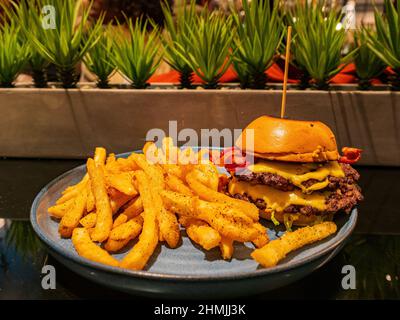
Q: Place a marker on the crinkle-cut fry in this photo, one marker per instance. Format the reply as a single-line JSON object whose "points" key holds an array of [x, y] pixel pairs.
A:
{"points": [[133, 208], [117, 199], [201, 233], [177, 185], [129, 229], [138, 256], [226, 248], [89, 221], [273, 252], [71, 218], [91, 202], [262, 238], [208, 194], [226, 220], [122, 218], [104, 220], [59, 210], [122, 182], [89, 250]]}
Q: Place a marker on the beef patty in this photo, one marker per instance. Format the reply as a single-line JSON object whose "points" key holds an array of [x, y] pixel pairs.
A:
{"points": [[343, 198], [278, 182]]}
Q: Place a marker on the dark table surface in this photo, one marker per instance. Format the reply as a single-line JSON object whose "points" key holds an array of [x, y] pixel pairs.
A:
{"points": [[373, 249]]}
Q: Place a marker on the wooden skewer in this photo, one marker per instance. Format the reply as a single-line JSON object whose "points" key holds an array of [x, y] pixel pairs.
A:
{"points": [[285, 78]]}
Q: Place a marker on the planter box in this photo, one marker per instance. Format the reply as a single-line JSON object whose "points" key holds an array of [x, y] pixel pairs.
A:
{"points": [[56, 123]]}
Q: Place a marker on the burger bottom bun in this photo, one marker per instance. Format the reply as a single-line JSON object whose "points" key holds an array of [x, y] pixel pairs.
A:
{"points": [[301, 221]]}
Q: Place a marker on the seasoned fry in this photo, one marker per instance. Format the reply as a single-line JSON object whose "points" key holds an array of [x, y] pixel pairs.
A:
{"points": [[103, 208], [208, 194], [122, 182], [71, 194], [262, 237], [117, 199], [91, 202], [89, 221], [133, 208], [71, 218], [79, 184], [59, 210], [177, 185], [89, 250], [201, 233], [226, 247], [175, 170], [119, 220], [228, 222], [100, 156], [137, 258], [207, 174], [276, 250], [127, 229]]}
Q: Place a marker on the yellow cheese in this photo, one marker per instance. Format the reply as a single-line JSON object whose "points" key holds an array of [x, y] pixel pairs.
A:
{"points": [[278, 200], [297, 173]]}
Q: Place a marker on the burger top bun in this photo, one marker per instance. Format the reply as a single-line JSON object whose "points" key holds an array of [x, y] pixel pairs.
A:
{"points": [[289, 140]]}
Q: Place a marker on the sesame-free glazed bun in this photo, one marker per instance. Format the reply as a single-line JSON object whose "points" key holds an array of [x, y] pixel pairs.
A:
{"points": [[289, 140]]}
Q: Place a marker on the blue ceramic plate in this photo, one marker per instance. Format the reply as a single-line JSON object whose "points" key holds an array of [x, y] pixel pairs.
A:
{"points": [[187, 271]]}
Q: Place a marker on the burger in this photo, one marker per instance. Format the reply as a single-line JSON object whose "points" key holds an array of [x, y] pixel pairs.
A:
{"points": [[297, 176]]}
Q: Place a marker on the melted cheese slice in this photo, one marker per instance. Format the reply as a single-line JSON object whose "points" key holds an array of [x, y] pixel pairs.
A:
{"points": [[277, 200], [297, 173]]}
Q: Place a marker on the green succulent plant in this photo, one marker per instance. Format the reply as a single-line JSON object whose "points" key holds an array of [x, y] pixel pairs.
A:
{"points": [[368, 64], [24, 13], [98, 59], [209, 42], [69, 40], [317, 42], [137, 55], [174, 40], [13, 53], [386, 45], [258, 38]]}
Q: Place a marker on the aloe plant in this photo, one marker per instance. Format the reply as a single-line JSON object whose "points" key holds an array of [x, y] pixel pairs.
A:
{"points": [[99, 58], [69, 41], [23, 12], [258, 38], [209, 41], [386, 45], [317, 42], [13, 53], [175, 40], [368, 64], [137, 55]]}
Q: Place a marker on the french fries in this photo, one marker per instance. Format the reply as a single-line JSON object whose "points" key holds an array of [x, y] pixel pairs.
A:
{"points": [[123, 233], [71, 218], [211, 195], [89, 221], [269, 255], [104, 220], [226, 247], [89, 250], [121, 199], [137, 258], [201, 233]]}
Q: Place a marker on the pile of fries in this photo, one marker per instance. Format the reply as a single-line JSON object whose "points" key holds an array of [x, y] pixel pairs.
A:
{"points": [[152, 196]]}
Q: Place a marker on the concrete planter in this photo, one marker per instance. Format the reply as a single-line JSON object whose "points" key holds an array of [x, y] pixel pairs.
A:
{"points": [[68, 124]]}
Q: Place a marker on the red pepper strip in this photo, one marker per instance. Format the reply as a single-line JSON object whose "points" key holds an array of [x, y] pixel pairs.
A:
{"points": [[350, 155]]}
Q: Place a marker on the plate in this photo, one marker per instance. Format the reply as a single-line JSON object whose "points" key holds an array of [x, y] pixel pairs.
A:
{"points": [[187, 271]]}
